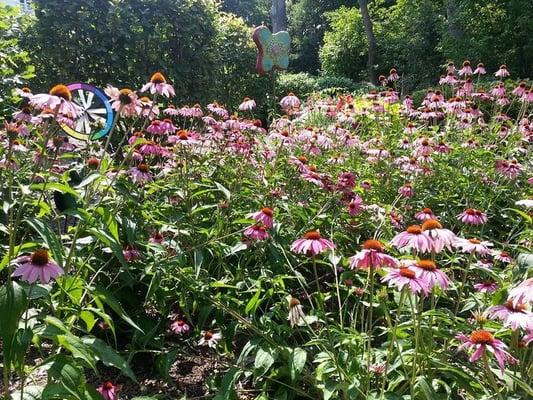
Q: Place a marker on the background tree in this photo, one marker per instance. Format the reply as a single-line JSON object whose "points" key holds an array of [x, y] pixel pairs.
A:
{"points": [[371, 39], [278, 13]]}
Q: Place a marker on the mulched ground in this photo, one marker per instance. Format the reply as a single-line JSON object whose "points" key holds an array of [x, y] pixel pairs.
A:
{"points": [[188, 377]]}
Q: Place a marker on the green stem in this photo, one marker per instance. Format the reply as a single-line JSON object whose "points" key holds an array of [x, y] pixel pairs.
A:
{"points": [[369, 325]]}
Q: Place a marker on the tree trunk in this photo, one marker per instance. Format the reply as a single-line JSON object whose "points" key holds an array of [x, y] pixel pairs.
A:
{"points": [[372, 48], [278, 12], [452, 15]]}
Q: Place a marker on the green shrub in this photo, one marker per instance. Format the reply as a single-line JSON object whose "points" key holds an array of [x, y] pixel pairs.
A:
{"points": [[336, 82], [14, 63], [301, 84]]}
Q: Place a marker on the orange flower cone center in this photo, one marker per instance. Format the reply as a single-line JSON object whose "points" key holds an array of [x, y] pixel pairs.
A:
{"points": [[406, 272], [428, 265], [61, 91], [312, 235], [481, 337], [431, 224], [157, 78], [267, 211], [372, 244], [40, 257], [414, 230]]}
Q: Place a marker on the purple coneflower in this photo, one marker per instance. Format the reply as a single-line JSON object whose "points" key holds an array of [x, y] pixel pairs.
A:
{"points": [[474, 246], [401, 277], [37, 267], [413, 239], [289, 102], [312, 244], [425, 214], [513, 316], [503, 72], [123, 100], [523, 293], [141, 174], [108, 391], [158, 84], [265, 216], [472, 216], [432, 275], [256, 232], [372, 256], [442, 238], [180, 326], [59, 100], [486, 287], [247, 104], [482, 340]]}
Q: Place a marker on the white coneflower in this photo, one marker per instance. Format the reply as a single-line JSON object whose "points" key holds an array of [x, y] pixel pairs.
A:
{"points": [[210, 338], [296, 312]]}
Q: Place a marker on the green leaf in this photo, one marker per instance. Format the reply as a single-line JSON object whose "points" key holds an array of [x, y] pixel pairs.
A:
{"points": [[164, 362], [254, 301], [49, 237], [112, 242], [17, 249], [13, 303], [297, 359], [88, 180], [227, 388], [108, 356], [264, 359], [55, 186], [88, 317], [78, 349], [108, 298]]}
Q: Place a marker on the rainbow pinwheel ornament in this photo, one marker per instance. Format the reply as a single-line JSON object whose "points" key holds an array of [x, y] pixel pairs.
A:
{"points": [[273, 49], [96, 117]]}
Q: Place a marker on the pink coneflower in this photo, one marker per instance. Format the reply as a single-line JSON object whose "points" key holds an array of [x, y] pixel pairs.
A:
{"points": [[141, 174], [513, 316], [486, 287], [256, 232], [59, 100], [401, 277], [480, 69], [510, 169], [466, 70], [442, 238], [108, 391], [406, 190], [522, 294], [217, 109], [180, 326], [123, 100], [185, 138], [158, 84], [372, 256], [265, 216], [157, 238], [290, 102], [210, 338], [171, 110], [355, 206], [37, 267], [425, 214], [393, 75], [148, 108], [502, 256], [520, 90], [247, 104], [432, 275], [472, 216], [150, 147], [156, 128], [131, 253], [474, 246], [503, 72], [482, 340], [413, 239], [24, 92], [312, 244]]}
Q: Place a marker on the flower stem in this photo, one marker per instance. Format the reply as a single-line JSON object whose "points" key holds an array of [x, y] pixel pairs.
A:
{"points": [[490, 376]]}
